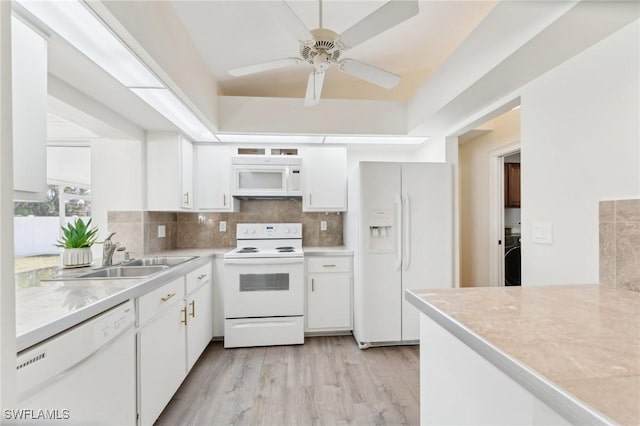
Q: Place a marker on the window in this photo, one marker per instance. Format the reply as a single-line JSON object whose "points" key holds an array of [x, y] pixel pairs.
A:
{"points": [[37, 225]]}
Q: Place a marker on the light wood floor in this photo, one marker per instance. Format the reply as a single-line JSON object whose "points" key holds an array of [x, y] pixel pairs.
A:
{"points": [[326, 381]]}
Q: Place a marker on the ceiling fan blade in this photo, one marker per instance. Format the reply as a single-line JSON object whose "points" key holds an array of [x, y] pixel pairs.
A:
{"points": [[383, 18], [370, 73], [289, 20], [314, 88], [265, 66]]}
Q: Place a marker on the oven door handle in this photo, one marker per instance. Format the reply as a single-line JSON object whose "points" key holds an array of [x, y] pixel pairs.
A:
{"points": [[265, 261]]}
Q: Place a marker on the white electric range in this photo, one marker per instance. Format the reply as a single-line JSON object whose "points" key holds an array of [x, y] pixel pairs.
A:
{"points": [[264, 286]]}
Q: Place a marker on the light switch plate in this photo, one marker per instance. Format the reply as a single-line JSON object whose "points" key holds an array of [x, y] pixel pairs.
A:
{"points": [[542, 233], [323, 225], [162, 231], [223, 226]]}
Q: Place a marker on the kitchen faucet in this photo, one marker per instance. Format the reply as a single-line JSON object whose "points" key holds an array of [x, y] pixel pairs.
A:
{"points": [[108, 247]]}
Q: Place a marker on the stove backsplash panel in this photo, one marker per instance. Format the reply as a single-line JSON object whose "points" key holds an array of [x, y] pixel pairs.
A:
{"points": [[139, 230]]}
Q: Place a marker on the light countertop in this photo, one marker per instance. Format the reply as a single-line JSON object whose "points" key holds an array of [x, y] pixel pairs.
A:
{"points": [[327, 251], [574, 347], [45, 308]]}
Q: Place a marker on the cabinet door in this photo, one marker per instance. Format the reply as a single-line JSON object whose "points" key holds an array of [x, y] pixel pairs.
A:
{"points": [[169, 172], [218, 297], [325, 179], [163, 363], [29, 107], [199, 322], [512, 185], [186, 170], [213, 178], [329, 301]]}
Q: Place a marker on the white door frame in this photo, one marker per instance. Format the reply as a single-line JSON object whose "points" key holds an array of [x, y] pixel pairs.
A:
{"points": [[496, 212]]}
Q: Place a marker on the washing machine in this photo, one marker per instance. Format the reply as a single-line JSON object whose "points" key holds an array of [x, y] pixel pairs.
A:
{"points": [[512, 260]]}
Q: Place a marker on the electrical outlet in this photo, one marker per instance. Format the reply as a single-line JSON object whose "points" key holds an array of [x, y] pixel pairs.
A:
{"points": [[223, 226], [323, 225], [162, 231]]}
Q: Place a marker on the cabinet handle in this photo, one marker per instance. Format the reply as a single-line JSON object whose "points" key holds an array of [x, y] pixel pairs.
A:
{"points": [[167, 297], [193, 308], [329, 266], [186, 199], [313, 285], [201, 277], [184, 316], [310, 200], [224, 200]]}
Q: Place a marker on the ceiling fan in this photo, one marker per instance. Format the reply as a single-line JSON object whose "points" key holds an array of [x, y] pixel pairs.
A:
{"points": [[322, 47]]}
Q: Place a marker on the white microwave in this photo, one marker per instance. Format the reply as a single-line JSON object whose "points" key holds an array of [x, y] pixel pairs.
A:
{"points": [[266, 176]]}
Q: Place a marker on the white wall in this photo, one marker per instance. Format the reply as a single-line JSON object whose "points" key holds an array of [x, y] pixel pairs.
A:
{"points": [[60, 157], [474, 197], [7, 287], [580, 144], [117, 181], [36, 235]]}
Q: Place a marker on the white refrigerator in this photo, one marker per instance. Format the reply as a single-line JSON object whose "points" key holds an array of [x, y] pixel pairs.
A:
{"points": [[403, 231]]}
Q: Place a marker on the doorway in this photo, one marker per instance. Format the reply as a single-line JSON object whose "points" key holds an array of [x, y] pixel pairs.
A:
{"points": [[505, 216], [511, 180], [481, 153]]}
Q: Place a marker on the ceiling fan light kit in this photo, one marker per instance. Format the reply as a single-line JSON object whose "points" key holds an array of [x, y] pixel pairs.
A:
{"points": [[322, 47]]}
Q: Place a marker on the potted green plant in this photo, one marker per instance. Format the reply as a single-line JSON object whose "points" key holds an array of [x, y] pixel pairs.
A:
{"points": [[77, 239]]}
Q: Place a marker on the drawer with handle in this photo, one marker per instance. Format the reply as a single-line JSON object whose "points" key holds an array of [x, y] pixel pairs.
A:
{"points": [[159, 299], [328, 264], [198, 277]]}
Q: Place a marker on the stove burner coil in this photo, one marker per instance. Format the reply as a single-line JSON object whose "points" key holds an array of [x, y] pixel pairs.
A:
{"points": [[247, 250]]}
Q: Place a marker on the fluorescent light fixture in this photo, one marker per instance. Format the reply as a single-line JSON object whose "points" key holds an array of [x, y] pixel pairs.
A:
{"points": [[168, 104], [82, 29], [238, 138], [376, 140]]}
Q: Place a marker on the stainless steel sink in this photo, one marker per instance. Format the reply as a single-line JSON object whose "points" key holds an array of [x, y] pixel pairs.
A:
{"points": [[123, 272], [157, 260]]}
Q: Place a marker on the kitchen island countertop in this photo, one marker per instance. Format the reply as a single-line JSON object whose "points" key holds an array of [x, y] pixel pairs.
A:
{"points": [[575, 347]]}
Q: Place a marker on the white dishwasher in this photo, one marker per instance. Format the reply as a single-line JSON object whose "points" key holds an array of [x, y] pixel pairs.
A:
{"points": [[85, 375]]}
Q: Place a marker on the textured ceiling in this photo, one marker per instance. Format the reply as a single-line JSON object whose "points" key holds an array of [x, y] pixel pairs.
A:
{"points": [[232, 34]]}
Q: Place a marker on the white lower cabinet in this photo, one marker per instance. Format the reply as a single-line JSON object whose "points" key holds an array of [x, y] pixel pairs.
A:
{"points": [[199, 306], [218, 297], [161, 349], [329, 294], [174, 329]]}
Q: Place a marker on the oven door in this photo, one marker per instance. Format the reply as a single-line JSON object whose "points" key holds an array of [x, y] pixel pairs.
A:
{"points": [[263, 287]]}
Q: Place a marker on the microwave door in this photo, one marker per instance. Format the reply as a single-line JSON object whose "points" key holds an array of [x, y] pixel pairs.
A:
{"points": [[260, 181]]}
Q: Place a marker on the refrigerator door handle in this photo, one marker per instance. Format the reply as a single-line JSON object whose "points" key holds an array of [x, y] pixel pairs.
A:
{"points": [[398, 232], [406, 252]]}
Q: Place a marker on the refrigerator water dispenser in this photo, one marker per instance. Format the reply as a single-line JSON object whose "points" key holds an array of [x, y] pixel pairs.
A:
{"points": [[381, 231]]}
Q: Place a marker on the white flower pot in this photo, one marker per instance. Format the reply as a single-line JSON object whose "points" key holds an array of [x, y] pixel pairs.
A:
{"points": [[77, 256]]}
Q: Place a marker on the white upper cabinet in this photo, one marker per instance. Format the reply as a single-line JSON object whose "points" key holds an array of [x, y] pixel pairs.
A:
{"points": [[213, 179], [29, 107], [169, 172], [325, 179]]}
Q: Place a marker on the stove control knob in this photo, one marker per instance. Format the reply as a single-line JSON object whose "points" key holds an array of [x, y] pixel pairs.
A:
{"points": [[287, 230], [253, 231], [294, 230], [244, 231]]}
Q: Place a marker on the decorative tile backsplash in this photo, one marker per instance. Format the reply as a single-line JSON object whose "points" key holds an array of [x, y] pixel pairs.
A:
{"points": [[620, 243], [139, 230]]}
